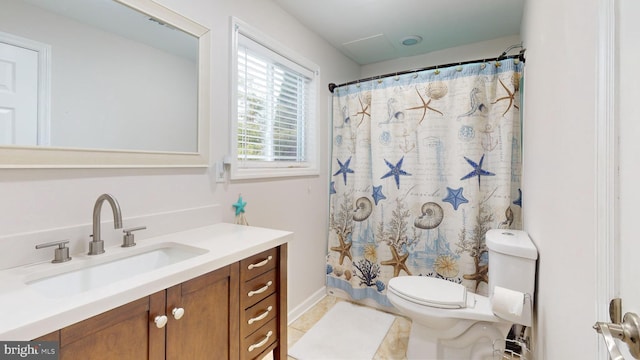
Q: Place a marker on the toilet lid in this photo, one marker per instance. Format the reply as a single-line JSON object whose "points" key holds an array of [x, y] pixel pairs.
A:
{"points": [[430, 291]]}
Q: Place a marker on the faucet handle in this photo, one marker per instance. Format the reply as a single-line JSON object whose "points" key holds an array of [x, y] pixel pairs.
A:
{"points": [[61, 254], [128, 239]]}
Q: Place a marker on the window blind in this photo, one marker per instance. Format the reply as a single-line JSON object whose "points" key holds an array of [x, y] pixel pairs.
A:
{"points": [[272, 108]]}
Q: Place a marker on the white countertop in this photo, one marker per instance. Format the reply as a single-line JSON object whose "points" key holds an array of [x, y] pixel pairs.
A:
{"points": [[27, 314]]}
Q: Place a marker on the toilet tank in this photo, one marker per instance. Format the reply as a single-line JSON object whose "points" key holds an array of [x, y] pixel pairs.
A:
{"points": [[512, 260]]}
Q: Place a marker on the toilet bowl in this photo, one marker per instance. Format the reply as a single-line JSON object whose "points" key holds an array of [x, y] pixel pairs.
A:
{"points": [[454, 326], [449, 322]]}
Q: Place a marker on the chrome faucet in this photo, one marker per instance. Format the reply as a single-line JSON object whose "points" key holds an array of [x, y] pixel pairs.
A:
{"points": [[96, 245]]}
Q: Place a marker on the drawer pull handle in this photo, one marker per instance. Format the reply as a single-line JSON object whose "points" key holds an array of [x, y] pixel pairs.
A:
{"points": [[261, 343], [261, 290], [261, 316], [260, 264], [161, 321], [177, 313]]}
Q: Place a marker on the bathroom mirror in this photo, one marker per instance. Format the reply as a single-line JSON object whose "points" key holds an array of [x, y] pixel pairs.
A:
{"points": [[109, 83]]}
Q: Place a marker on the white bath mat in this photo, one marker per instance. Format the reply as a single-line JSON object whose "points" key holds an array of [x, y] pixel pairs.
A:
{"points": [[345, 332]]}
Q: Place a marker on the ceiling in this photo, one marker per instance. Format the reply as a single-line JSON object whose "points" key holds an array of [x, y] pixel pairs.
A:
{"points": [[370, 31]]}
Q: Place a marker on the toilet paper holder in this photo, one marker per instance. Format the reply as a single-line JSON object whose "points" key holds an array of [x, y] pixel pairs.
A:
{"points": [[521, 342], [625, 328], [524, 317]]}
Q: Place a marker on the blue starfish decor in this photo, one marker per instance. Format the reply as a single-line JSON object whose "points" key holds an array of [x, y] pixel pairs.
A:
{"points": [[477, 170], [395, 171], [332, 188], [377, 194], [455, 197], [239, 205], [344, 169]]}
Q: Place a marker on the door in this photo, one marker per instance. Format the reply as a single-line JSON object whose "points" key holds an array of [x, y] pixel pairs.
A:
{"points": [[628, 95], [18, 95]]}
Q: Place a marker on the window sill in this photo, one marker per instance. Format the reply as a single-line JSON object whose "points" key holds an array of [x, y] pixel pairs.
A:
{"points": [[263, 173]]}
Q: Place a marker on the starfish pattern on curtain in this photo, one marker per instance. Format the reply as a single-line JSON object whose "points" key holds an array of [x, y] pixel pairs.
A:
{"points": [[414, 188]]}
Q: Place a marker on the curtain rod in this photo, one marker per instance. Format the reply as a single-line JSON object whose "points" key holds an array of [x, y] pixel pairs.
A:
{"points": [[519, 56]]}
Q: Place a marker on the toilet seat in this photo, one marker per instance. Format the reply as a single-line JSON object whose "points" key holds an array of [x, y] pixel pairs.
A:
{"points": [[429, 291]]}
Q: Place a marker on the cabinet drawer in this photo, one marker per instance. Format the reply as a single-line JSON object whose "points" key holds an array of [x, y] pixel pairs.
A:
{"points": [[257, 342], [258, 264], [259, 314], [257, 289]]}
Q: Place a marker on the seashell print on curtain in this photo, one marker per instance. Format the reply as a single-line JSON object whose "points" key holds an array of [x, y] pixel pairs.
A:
{"points": [[423, 165]]}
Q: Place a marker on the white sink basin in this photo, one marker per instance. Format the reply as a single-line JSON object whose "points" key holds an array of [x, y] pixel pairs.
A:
{"points": [[95, 276]]}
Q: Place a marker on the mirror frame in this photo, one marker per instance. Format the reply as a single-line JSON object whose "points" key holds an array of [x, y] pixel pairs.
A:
{"points": [[57, 157]]}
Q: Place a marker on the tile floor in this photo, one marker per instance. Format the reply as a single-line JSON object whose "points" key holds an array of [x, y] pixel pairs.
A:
{"points": [[393, 347]]}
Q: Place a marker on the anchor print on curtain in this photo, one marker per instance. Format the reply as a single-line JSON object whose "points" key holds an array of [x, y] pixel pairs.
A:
{"points": [[423, 164]]}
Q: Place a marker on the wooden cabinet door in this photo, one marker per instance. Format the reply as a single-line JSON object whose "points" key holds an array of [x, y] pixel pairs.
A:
{"points": [[122, 333], [209, 327]]}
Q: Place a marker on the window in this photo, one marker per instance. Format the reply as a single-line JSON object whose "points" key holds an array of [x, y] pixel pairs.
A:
{"points": [[273, 115]]}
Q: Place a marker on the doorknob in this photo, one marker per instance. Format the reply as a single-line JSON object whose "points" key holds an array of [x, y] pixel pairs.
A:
{"points": [[626, 329]]}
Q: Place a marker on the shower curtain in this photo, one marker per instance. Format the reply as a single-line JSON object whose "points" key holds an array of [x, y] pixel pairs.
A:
{"points": [[423, 165]]}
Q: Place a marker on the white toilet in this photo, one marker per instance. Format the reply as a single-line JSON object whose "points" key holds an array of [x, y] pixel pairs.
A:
{"points": [[451, 323]]}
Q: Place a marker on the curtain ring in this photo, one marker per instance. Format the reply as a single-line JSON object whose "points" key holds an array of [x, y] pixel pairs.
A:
{"points": [[437, 71]]}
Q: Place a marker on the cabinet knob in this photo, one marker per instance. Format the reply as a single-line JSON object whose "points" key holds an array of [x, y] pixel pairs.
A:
{"points": [[161, 321], [177, 313]]}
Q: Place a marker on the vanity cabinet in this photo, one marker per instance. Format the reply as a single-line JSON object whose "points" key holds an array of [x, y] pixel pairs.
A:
{"points": [[235, 312]]}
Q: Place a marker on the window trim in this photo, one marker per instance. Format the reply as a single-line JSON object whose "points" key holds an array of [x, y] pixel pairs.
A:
{"points": [[265, 169]]}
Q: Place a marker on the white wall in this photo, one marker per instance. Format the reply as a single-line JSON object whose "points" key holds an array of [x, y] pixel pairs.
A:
{"points": [[43, 199], [559, 205]]}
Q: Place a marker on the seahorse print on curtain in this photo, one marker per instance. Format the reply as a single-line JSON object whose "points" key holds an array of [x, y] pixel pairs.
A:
{"points": [[423, 164]]}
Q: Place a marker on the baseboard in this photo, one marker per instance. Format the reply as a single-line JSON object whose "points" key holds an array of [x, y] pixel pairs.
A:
{"points": [[307, 304]]}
